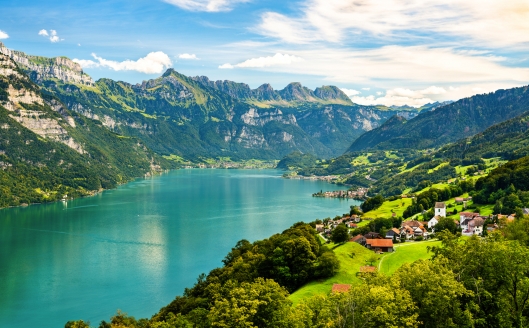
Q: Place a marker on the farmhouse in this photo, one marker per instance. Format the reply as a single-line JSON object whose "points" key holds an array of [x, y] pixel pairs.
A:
{"points": [[440, 209], [380, 245]]}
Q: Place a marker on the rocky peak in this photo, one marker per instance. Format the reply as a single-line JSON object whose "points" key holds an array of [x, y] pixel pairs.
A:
{"points": [[295, 91], [265, 92], [43, 68], [330, 92]]}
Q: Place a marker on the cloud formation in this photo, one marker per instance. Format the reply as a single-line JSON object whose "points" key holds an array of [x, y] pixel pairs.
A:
{"points": [[3, 35], [188, 56], [350, 92], [52, 35], [153, 63], [278, 59], [226, 66], [206, 5], [495, 21]]}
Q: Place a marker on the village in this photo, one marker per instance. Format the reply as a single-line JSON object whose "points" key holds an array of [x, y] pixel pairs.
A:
{"points": [[410, 231], [360, 193], [469, 224]]}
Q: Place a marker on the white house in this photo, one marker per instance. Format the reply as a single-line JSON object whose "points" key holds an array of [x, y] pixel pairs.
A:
{"points": [[433, 222], [440, 209]]}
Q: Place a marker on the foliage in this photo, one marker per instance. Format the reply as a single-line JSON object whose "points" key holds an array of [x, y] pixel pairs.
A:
{"points": [[295, 160], [340, 234], [372, 203]]}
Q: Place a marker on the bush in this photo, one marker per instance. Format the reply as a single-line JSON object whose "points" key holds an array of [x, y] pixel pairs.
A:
{"points": [[419, 238]]}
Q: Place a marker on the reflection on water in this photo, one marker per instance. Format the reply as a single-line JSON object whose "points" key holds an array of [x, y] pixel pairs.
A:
{"points": [[136, 247]]}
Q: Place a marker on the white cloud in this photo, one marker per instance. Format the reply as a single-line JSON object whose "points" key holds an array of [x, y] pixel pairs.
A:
{"points": [[188, 56], [350, 92], [276, 60], [153, 63], [366, 89], [52, 35], [495, 21], [388, 100], [3, 35], [206, 5], [226, 66]]}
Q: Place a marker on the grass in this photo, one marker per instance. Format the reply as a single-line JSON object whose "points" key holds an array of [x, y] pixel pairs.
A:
{"points": [[405, 253], [385, 211], [349, 267]]}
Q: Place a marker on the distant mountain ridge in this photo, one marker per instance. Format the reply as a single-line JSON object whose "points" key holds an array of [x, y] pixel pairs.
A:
{"points": [[196, 118], [449, 123], [265, 96]]}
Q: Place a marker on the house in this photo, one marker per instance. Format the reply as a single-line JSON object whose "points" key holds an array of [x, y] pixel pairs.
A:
{"points": [[393, 233], [340, 288], [351, 225], [320, 227], [380, 245], [359, 239], [412, 223], [407, 232], [511, 218], [440, 209], [473, 226], [355, 218], [419, 231], [372, 235], [433, 221], [525, 211], [459, 200], [466, 216]]}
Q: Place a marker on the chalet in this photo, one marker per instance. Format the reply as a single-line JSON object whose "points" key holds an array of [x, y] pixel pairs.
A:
{"points": [[393, 233], [320, 227], [433, 221], [525, 211], [380, 245], [466, 216], [440, 209], [340, 288], [372, 235], [407, 232], [359, 239], [472, 226], [412, 223]]}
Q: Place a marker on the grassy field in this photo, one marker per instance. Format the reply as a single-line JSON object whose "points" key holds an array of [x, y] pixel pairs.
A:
{"points": [[398, 206], [350, 265], [405, 253]]}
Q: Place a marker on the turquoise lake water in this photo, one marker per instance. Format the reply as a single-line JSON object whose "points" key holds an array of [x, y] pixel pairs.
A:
{"points": [[136, 247]]}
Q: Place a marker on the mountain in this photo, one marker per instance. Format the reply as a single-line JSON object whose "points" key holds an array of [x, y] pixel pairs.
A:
{"points": [[509, 140], [196, 118], [449, 123], [48, 151], [265, 96]]}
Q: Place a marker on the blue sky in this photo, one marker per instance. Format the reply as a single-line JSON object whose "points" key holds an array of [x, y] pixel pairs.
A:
{"points": [[390, 52]]}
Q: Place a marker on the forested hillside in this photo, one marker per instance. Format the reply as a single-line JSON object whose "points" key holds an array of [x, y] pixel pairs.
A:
{"points": [[47, 151], [461, 119], [195, 118]]}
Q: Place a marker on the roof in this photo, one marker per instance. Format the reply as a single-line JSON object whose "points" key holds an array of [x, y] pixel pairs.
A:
{"points": [[468, 214], [395, 230], [372, 235], [459, 199], [440, 205], [380, 242], [368, 268], [340, 288], [412, 223], [477, 222], [357, 238]]}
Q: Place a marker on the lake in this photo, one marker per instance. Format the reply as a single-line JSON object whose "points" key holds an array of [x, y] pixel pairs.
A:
{"points": [[136, 247]]}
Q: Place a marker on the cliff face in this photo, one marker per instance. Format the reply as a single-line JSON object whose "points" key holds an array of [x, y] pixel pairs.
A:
{"points": [[197, 117], [293, 95], [42, 68]]}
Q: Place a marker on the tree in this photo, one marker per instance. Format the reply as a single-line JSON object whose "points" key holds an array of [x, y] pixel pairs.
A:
{"points": [[446, 224], [340, 234], [327, 265]]}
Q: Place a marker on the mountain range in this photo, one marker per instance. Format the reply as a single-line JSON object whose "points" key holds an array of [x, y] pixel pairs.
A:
{"points": [[196, 118], [461, 119]]}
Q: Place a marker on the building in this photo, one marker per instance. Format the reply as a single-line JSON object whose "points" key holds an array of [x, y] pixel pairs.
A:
{"points": [[393, 233], [340, 288], [359, 239], [372, 235], [433, 221], [380, 245], [440, 209]]}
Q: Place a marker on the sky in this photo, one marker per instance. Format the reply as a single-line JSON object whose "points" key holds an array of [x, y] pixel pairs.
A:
{"points": [[389, 52]]}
